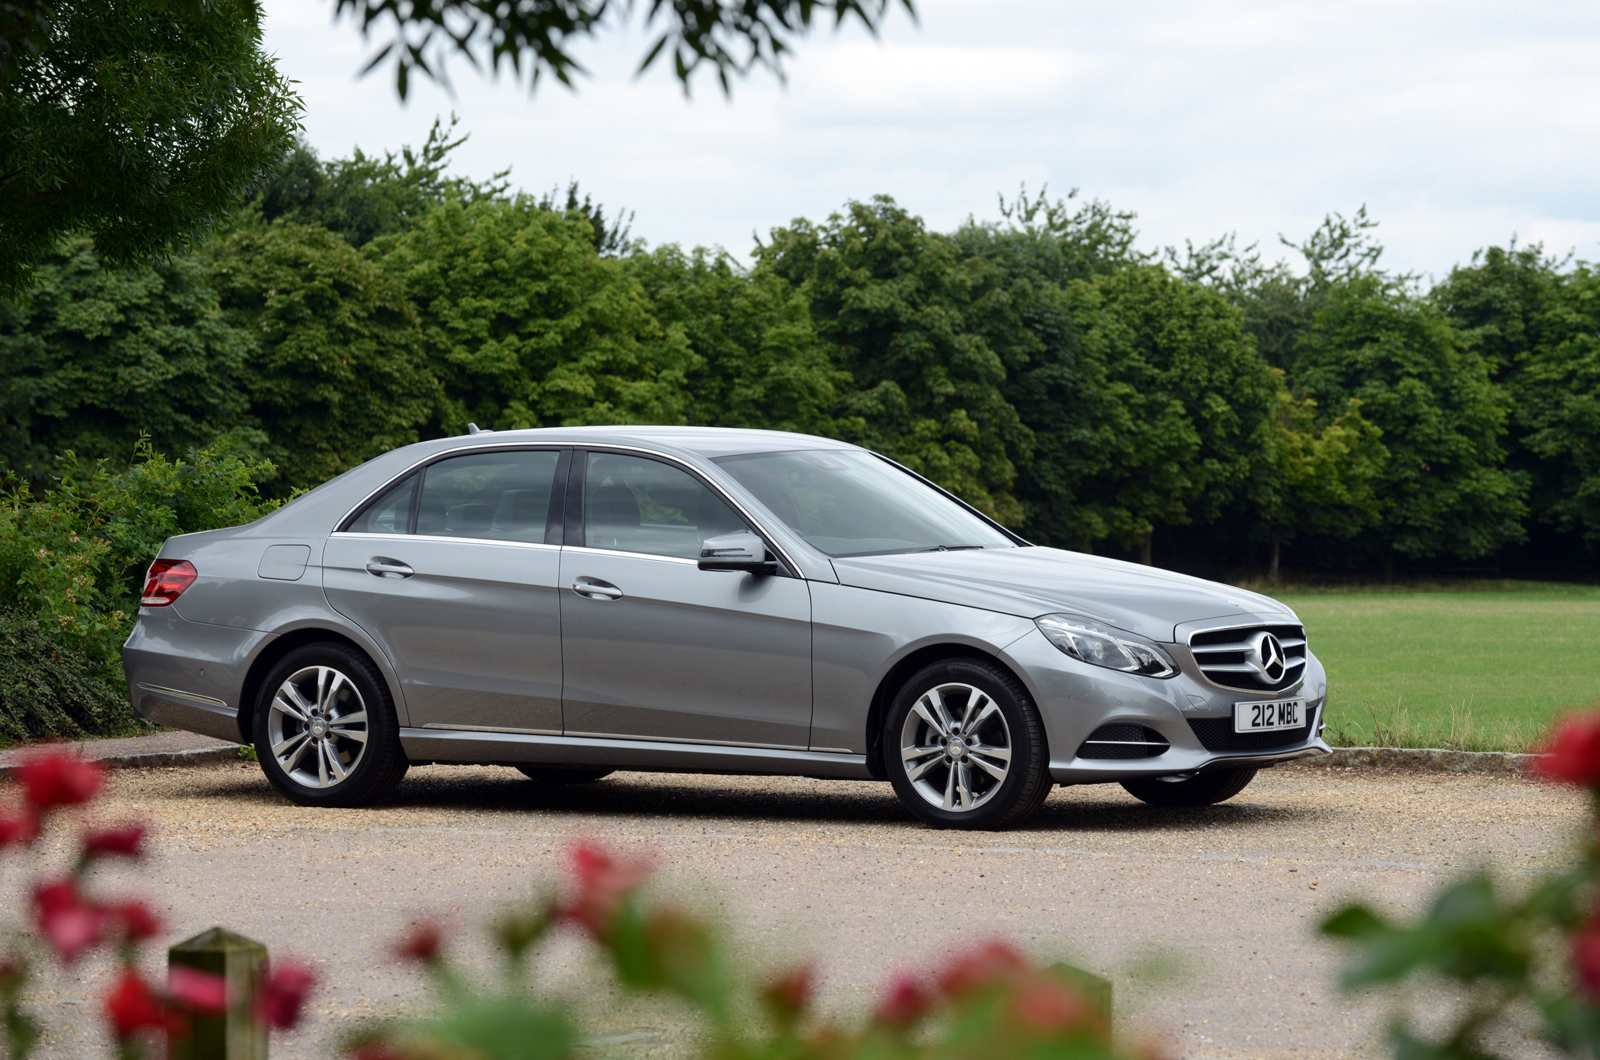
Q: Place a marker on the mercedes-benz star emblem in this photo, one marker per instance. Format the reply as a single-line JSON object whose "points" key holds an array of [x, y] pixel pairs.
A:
{"points": [[1266, 655]]}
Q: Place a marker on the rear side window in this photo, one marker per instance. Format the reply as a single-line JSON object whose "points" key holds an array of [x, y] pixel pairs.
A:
{"points": [[493, 496], [390, 513]]}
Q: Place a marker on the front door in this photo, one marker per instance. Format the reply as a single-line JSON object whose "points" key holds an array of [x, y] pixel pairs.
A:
{"points": [[453, 574], [656, 648]]}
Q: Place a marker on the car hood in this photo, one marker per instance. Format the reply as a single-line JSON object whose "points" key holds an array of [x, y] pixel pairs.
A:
{"points": [[1035, 581]]}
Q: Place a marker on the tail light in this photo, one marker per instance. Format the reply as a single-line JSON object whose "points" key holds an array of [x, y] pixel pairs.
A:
{"points": [[166, 581]]}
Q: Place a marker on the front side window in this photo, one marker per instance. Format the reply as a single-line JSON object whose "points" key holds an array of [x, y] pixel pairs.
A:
{"points": [[495, 496], [847, 503], [634, 504]]}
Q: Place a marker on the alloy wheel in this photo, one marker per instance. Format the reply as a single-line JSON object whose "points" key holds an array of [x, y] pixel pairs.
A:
{"points": [[317, 726], [955, 746]]}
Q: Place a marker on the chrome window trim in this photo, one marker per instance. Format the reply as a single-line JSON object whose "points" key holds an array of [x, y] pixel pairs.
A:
{"points": [[358, 535], [586, 447], [634, 555], [394, 480]]}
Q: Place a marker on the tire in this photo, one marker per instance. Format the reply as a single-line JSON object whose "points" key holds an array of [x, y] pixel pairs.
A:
{"points": [[315, 705], [558, 775], [944, 711], [1196, 789]]}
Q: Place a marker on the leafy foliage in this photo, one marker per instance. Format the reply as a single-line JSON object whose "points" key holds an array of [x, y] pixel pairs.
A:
{"points": [[50, 691], [73, 555], [139, 123], [94, 358], [989, 1002], [535, 38], [1522, 957]]}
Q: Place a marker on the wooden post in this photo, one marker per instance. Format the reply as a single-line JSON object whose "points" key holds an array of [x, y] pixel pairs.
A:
{"points": [[241, 962], [1095, 990]]}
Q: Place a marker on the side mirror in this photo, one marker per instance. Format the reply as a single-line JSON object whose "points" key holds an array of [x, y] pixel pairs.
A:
{"points": [[743, 551]]}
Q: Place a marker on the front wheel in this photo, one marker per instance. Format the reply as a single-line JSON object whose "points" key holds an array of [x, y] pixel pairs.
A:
{"points": [[964, 747], [1192, 789], [325, 728]]}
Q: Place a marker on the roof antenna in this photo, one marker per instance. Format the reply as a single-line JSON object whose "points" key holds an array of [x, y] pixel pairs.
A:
{"points": [[473, 428]]}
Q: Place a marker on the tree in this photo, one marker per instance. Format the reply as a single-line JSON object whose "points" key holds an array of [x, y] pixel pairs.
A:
{"points": [[1175, 431], [893, 302], [1445, 488], [335, 372], [757, 361], [140, 124], [363, 197], [93, 359], [526, 326], [535, 37]]}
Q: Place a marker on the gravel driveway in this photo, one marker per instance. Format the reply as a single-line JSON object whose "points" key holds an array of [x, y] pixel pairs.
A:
{"points": [[835, 870]]}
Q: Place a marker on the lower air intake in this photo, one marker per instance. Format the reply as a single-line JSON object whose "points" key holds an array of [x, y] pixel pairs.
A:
{"points": [[1216, 734], [1123, 741]]}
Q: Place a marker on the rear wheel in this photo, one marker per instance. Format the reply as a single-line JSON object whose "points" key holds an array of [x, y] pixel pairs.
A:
{"points": [[557, 775], [964, 747], [325, 728], [1190, 789]]}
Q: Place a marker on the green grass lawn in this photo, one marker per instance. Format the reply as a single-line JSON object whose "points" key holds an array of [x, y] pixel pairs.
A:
{"points": [[1480, 668]]}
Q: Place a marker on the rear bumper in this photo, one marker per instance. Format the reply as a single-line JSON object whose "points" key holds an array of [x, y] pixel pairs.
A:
{"points": [[187, 675]]}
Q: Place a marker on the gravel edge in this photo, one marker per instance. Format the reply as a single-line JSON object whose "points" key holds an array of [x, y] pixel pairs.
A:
{"points": [[202, 756], [1427, 758]]}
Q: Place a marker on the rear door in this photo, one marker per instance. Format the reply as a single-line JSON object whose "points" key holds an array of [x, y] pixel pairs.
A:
{"points": [[454, 572], [653, 646]]}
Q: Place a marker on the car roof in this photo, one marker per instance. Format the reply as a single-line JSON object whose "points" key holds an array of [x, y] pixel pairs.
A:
{"points": [[707, 442]]}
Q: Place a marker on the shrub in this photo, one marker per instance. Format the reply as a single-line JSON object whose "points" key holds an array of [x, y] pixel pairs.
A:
{"points": [[48, 691], [72, 557]]}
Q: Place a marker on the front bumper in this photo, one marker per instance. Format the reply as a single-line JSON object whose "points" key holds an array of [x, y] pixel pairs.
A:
{"points": [[1075, 699]]}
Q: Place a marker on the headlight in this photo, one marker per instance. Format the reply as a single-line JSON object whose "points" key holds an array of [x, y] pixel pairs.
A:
{"points": [[1107, 646]]}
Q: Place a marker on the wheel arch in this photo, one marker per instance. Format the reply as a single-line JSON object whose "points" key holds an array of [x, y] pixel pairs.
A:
{"points": [[898, 674], [287, 642]]}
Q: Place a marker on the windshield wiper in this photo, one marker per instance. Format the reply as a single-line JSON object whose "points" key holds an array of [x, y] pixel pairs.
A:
{"points": [[946, 548]]}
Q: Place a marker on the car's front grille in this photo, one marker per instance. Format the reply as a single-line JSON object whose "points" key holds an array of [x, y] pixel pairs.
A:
{"points": [[1123, 741], [1216, 734], [1248, 657]]}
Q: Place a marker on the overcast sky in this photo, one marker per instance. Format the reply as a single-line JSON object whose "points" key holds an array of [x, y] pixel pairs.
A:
{"points": [[1458, 123]]}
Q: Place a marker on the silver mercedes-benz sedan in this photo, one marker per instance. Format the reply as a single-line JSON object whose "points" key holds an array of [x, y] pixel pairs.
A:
{"points": [[575, 601]]}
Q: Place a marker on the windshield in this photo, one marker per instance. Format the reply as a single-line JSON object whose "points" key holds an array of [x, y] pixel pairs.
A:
{"points": [[854, 504]]}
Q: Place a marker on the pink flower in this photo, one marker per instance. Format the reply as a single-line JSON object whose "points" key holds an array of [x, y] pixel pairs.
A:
{"points": [[132, 1006], [127, 841], [20, 830], [1571, 755], [1049, 1007], [54, 778], [905, 1002], [423, 944], [198, 992], [284, 994], [603, 881], [68, 924], [991, 963], [134, 919]]}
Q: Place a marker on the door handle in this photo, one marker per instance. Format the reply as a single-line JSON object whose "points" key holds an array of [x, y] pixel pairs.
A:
{"points": [[595, 589], [385, 567]]}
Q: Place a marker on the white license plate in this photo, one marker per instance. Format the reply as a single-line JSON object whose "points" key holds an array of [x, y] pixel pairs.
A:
{"points": [[1266, 717]]}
